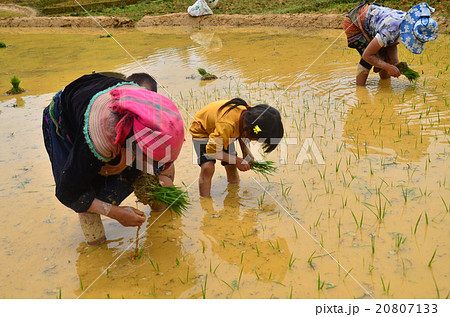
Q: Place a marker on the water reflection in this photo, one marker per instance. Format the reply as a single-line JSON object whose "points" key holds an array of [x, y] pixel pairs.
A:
{"points": [[146, 271], [375, 125], [235, 235], [207, 40]]}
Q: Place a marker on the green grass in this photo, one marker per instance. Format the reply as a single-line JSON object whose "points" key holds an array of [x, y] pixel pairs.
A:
{"points": [[10, 14], [160, 7]]}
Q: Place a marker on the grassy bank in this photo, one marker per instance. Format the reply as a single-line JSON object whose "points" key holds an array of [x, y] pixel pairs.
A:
{"points": [[159, 7]]}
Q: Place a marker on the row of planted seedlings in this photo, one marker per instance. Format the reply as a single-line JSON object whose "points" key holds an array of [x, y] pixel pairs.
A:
{"points": [[363, 200]]}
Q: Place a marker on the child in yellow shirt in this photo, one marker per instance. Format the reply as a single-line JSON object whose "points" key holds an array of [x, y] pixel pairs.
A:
{"points": [[219, 124]]}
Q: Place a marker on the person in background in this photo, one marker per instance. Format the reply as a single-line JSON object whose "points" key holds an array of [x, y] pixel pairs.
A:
{"points": [[375, 31], [87, 128]]}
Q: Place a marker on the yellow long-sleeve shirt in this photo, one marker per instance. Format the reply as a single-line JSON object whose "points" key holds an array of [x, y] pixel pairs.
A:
{"points": [[218, 128]]}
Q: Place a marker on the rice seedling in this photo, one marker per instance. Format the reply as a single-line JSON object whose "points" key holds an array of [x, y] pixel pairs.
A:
{"points": [[204, 287], [215, 269], [317, 223], [177, 262], [107, 273], [290, 293], [405, 193], [155, 265], [347, 274], [232, 286], [81, 284], [187, 277], [2, 45], [59, 295], [239, 279], [205, 75], [447, 207], [256, 273], [354, 218], [285, 190], [15, 81], [139, 255], [310, 259], [417, 223], [432, 258], [438, 295], [148, 190], [260, 200], [339, 228], [372, 243], [399, 240], [242, 256], [291, 261], [320, 283], [279, 283], [257, 250], [385, 289], [295, 230], [264, 168]]}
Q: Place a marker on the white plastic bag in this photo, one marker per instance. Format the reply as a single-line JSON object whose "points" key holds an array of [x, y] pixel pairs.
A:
{"points": [[200, 7]]}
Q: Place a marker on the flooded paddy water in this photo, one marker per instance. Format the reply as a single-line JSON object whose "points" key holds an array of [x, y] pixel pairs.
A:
{"points": [[370, 220]]}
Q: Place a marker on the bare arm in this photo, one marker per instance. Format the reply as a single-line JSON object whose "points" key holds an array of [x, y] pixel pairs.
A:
{"points": [[370, 56], [248, 156], [241, 164]]}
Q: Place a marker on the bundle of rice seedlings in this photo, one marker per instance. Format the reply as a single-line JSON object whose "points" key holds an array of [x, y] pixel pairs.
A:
{"points": [[206, 75], [148, 190], [264, 168], [15, 81], [404, 69]]}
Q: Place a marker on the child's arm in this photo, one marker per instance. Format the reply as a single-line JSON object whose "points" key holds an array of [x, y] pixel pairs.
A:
{"points": [[247, 155], [241, 164]]}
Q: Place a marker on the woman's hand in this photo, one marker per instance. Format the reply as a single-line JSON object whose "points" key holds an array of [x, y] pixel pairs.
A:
{"points": [[127, 216], [392, 70], [242, 164]]}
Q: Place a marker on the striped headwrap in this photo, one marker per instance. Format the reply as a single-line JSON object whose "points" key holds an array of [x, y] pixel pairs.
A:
{"points": [[155, 120]]}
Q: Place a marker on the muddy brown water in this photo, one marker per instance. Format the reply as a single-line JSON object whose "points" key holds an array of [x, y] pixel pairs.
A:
{"points": [[378, 205]]}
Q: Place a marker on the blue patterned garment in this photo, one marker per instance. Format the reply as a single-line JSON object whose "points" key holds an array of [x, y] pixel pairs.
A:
{"points": [[418, 28], [384, 24]]}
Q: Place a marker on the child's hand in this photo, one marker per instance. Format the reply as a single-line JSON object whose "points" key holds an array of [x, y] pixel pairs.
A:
{"points": [[242, 165], [127, 216]]}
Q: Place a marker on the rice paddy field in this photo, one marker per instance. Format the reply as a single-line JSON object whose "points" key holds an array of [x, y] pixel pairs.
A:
{"points": [[359, 206]]}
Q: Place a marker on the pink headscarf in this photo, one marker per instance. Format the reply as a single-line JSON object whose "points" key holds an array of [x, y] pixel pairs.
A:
{"points": [[156, 122]]}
